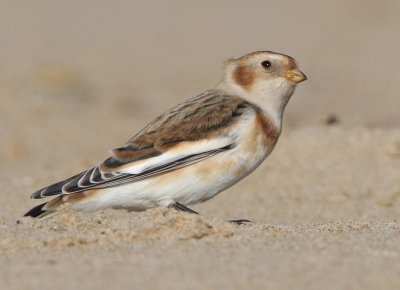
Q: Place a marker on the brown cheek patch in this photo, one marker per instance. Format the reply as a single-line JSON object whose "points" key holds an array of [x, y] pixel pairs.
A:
{"points": [[244, 77]]}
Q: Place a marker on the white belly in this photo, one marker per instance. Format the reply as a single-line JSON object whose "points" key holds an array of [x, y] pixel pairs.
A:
{"points": [[193, 184]]}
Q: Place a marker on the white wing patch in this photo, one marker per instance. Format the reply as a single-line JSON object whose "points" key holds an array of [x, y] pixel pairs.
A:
{"points": [[183, 150]]}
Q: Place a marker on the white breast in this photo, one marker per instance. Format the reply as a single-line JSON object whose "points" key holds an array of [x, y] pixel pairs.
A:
{"points": [[197, 182]]}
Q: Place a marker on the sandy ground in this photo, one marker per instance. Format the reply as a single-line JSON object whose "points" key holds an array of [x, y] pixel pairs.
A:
{"points": [[79, 78]]}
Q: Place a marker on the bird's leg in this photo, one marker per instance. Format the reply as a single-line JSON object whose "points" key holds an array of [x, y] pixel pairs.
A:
{"points": [[240, 222], [181, 207]]}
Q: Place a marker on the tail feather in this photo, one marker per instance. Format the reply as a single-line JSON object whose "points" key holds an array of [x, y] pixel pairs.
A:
{"points": [[46, 208], [36, 211]]}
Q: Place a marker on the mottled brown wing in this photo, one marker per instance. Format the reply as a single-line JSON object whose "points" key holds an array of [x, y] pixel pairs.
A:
{"points": [[205, 116], [210, 115]]}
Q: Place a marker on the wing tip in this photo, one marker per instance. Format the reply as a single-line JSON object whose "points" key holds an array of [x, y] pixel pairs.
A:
{"points": [[55, 188], [37, 194]]}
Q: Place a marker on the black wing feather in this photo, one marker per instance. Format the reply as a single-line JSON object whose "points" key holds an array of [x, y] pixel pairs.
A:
{"points": [[81, 182]]}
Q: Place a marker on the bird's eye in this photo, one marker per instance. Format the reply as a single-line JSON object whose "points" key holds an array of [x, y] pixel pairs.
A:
{"points": [[266, 63]]}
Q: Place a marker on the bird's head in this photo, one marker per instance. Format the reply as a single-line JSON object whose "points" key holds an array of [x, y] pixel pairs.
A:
{"points": [[262, 66], [265, 78]]}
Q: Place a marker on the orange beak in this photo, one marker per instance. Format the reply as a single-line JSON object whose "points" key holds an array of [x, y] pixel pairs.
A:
{"points": [[296, 75]]}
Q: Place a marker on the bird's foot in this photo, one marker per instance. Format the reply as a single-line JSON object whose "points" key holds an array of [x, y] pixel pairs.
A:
{"points": [[241, 221], [181, 207]]}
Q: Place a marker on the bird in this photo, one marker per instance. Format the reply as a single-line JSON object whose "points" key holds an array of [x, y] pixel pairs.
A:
{"points": [[194, 150]]}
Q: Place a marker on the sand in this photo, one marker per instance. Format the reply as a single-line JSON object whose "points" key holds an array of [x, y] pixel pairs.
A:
{"points": [[81, 78]]}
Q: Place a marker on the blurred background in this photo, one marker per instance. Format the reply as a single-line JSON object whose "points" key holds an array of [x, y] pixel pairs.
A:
{"points": [[149, 53], [80, 77]]}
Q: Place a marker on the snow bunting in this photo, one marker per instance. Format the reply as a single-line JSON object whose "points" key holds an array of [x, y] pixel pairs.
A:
{"points": [[194, 150]]}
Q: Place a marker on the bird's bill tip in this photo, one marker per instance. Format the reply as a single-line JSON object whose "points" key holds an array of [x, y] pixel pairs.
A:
{"points": [[296, 75]]}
